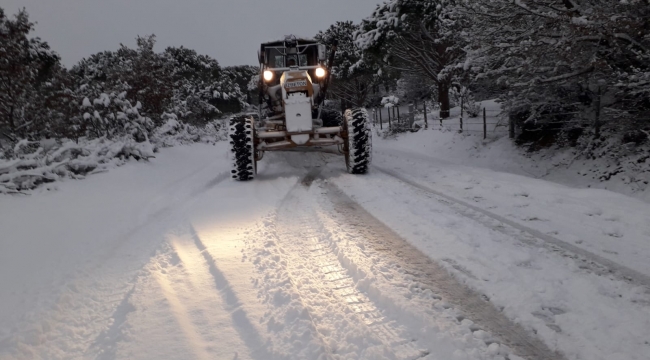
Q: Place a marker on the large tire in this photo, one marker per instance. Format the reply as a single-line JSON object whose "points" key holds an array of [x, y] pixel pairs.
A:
{"points": [[242, 148], [331, 117], [358, 145]]}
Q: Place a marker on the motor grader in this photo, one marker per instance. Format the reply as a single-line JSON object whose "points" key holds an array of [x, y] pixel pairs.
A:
{"points": [[295, 75]]}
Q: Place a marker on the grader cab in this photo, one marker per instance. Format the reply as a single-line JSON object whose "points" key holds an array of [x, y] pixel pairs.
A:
{"points": [[293, 83]]}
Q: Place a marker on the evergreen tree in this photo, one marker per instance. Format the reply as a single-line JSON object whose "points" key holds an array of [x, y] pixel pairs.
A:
{"points": [[355, 75], [565, 62], [423, 37], [26, 64]]}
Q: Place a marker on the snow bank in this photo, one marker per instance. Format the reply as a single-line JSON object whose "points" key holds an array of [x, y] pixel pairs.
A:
{"points": [[174, 132], [607, 164], [47, 161], [35, 163]]}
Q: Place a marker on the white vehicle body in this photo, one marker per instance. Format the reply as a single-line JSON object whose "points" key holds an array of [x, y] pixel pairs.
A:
{"points": [[294, 95], [294, 77]]}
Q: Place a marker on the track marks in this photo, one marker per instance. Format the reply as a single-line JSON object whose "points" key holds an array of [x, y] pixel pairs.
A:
{"points": [[211, 318], [241, 321], [341, 313], [105, 345], [181, 314], [433, 279], [585, 259]]}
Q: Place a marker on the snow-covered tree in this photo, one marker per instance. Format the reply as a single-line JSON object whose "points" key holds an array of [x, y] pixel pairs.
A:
{"points": [[585, 60], [25, 65], [201, 88], [148, 76], [242, 76], [424, 37], [354, 75]]}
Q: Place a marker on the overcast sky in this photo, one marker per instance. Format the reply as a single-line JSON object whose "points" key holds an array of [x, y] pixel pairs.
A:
{"points": [[228, 30]]}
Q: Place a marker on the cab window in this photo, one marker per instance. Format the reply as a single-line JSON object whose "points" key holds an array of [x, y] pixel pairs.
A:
{"points": [[279, 61]]}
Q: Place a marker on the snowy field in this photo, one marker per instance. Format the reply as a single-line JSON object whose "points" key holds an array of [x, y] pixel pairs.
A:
{"points": [[422, 258]]}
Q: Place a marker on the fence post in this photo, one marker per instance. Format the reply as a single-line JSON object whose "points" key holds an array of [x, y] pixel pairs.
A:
{"points": [[461, 114], [399, 119], [381, 121], [484, 125], [389, 123], [426, 123], [597, 119], [411, 114]]}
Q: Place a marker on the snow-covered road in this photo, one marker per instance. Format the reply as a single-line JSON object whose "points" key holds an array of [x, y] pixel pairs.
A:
{"points": [[420, 259]]}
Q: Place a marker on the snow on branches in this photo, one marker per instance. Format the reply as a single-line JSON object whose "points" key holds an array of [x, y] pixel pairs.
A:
{"points": [[589, 58], [418, 36]]}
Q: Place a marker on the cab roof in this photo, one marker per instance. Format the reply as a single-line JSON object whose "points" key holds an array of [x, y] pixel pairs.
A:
{"points": [[299, 41]]}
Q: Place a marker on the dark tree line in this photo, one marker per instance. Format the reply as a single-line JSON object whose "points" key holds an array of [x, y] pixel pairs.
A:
{"points": [[557, 65], [127, 91]]}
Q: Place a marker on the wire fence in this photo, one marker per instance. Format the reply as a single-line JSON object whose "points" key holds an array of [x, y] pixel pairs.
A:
{"points": [[488, 122], [494, 123]]}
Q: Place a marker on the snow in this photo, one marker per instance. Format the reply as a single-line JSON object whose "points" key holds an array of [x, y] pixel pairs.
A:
{"points": [[171, 259]]}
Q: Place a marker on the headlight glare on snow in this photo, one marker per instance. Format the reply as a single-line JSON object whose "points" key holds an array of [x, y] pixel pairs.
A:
{"points": [[268, 75], [320, 72]]}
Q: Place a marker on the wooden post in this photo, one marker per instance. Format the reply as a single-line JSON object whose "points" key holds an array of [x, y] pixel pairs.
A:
{"points": [[413, 110], [461, 114], [381, 121], [389, 124], [484, 125], [426, 123], [399, 120], [597, 117]]}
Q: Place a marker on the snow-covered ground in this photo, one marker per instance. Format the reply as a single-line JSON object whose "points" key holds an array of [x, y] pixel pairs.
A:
{"points": [[614, 166], [421, 258]]}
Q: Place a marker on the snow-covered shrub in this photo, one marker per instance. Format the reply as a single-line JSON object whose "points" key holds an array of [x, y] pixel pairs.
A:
{"points": [[397, 128], [35, 163], [464, 96], [113, 115], [390, 101], [173, 132]]}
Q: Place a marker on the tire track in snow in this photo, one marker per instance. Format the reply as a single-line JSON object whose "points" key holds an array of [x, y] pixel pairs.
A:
{"points": [[105, 345], [330, 292], [586, 259], [196, 292], [241, 321], [182, 315], [433, 276], [103, 280]]}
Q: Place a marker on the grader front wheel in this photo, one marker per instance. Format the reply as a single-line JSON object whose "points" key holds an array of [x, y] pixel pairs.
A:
{"points": [[358, 146], [242, 148]]}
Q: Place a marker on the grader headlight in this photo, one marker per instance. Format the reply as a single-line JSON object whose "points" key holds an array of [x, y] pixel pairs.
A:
{"points": [[320, 72], [268, 75]]}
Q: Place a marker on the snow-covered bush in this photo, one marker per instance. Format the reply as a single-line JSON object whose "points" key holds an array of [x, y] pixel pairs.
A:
{"points": [[463, 95], [396, 128], [34, 163], [390, 101], [173, 132], [113, 115]]}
